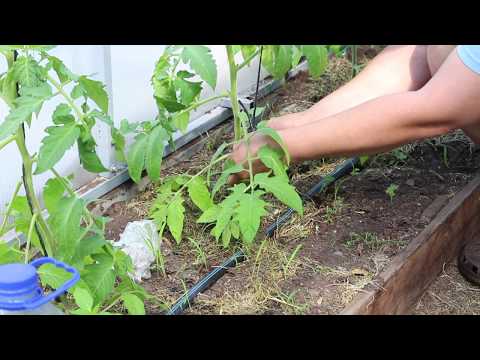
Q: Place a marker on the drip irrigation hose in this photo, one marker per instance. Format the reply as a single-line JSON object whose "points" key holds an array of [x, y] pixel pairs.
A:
{"points": [[208, 280]]}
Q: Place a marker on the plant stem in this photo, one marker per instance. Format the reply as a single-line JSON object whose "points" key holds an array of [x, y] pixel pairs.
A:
{"points": [[29, 236], [7, 141], [44, 233], [203, 102], [233, 93], [247, 61], [68, 98], [9, 208]]}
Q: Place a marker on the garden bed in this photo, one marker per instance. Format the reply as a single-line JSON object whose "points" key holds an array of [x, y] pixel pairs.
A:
{"points": [[336, 254]]}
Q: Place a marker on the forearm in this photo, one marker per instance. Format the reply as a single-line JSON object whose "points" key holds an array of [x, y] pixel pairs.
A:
{"points": [[375, 126]]}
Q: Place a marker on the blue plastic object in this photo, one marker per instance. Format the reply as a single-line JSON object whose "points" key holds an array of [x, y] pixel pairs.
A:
{"points": [[20, 287]]}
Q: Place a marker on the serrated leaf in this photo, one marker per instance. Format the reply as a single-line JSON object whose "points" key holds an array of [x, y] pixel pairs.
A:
{"points": [[100, 278], [65, 224], [44, 90], [209, 215], [248, 214], [277, 59], [189, 91], [63, 73], [133, 304], [281, 189], [26, 106], [136, 157], [53, 276], [102, 117], [263, 129], [273, 160], [223, 178], [200, 59], [88, 156], [77, 92], [27, 72], [118, 142], [8, 255], [317, 57], [62, 115], [86, 247], [247, 51], [83, 298], [154, 152], [181, 120], [175, 216], [55, 144], [198, 192], [95, 91], [52, 193]]}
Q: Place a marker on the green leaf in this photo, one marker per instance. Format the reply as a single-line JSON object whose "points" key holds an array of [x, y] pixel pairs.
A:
{"points": [[95, 91], [118, 142], [223, 178], [53, 276], [102, 117], [249, 212], [88, 156], [65, 223], [77, 92], [43, 91], [200, 59], [296, 56], [273, 160], [63, 73], [100, 278], [54, 146], [175, 216], [317, 57], [247, 51], [263, 129], [136, 157], [83, 298], [154, 152], [26, 106], [86, 247], [22, 218], [281, 189], [8, 255], [277, 59], [209, 215], [198, 191], [181, 120], [62, 115], [189, 91], [133, 304], [27, 72], [52, 193]]}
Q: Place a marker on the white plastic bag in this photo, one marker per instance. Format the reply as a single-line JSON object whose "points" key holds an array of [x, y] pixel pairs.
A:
{"points": [[140, 241]]}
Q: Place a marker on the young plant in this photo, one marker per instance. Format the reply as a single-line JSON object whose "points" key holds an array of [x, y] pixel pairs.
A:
{"points": [[177, 92], [70, 233], [391, 191]]}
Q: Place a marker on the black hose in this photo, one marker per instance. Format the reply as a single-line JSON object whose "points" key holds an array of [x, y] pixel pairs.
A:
{"points": [[344, 169], [208, 280]]}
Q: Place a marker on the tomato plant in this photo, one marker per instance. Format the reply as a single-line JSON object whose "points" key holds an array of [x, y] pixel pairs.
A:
{"points": [[69, 232], [177, 92]]}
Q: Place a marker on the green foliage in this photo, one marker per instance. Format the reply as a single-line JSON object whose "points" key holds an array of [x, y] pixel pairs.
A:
{"points": [[54, 146], [72, 233], [391, 191]]}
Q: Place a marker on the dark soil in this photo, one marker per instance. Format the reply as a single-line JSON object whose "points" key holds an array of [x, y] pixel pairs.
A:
{"points": [[318, 263]]}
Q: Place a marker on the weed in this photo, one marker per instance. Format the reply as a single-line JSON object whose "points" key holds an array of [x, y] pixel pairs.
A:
{"points": [[391, 191]]}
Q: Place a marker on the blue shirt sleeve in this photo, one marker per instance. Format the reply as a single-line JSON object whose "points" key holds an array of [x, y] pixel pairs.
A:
{"points": [[470, 55]]}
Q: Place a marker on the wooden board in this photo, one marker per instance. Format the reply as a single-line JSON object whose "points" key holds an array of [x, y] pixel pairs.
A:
{"points": [[400, 285]]}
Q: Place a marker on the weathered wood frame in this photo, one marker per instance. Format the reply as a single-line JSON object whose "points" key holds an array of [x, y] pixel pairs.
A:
{"points": [[411, 272]]}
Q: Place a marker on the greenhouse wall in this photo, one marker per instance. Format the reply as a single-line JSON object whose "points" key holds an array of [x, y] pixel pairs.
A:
{"points": [[126, 71]]}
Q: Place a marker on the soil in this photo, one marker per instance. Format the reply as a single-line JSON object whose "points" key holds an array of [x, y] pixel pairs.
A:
{"points": [[318, 263]]}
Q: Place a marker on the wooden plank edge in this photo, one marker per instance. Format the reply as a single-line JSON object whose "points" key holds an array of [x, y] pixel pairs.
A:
{"points": [[411, 272]]}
